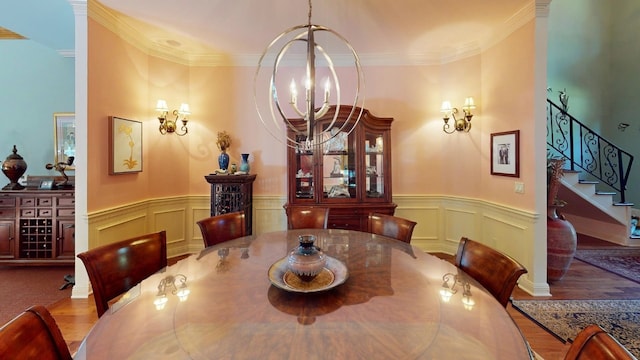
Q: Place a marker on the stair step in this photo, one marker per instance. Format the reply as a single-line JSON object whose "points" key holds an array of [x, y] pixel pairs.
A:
{"points": [[589, 182], [622, 204], [605, 193]]}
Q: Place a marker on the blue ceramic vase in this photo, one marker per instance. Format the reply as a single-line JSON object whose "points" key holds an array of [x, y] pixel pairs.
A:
{"points": [[244, 165], [223, 161]]}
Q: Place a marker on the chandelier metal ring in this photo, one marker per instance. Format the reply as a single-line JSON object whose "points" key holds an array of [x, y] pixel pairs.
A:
{"points": [[275, 117]]}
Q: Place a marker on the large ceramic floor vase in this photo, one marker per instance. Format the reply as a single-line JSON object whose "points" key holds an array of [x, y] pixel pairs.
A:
{"points": [[561, 244]]}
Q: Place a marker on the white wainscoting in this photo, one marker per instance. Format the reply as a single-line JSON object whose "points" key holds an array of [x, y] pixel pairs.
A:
{"points": [[442, 221]]}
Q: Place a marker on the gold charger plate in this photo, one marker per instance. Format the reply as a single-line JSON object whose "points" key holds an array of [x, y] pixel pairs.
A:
{"points": [[333, 274]]}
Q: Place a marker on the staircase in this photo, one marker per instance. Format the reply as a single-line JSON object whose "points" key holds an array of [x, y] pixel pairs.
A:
{"points": [[595, 213], [593, 163]]}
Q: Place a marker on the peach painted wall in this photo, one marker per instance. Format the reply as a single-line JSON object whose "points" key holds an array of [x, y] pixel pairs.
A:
{"points": [[507, 81], [224, 100], [119, 84], [425, 160]]}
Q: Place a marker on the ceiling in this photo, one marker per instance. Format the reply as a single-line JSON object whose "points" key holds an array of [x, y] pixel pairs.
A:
{"points": [[417, 29], [402, 31]]}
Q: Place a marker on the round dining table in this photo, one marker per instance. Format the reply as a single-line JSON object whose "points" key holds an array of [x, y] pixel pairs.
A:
{"points": [[386, 300]]}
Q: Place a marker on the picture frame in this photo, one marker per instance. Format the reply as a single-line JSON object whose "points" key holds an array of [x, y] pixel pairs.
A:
{"points": [[505, 153], [125, 146], [64, 138]]}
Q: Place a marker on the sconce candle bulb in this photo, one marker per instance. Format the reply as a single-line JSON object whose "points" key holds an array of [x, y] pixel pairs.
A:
{"points": [[168, 125], [459, 124]]}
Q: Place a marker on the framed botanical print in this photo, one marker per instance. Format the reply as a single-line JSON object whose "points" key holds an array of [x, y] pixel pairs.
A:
{"points": [[64, 139], [505, 153], [125, 146]]}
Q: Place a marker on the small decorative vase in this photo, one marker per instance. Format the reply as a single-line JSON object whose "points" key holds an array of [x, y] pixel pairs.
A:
{"points": [[307, 260], [14, 167], [244, 165], [561, 244], [223, 160]]}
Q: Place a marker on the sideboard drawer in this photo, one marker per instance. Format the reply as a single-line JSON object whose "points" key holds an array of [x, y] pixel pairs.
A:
{"points": [[28, 213], [45, 212], [45, 201], [7, 213], [66, 212], [7, 202], [27, 201], [66, 201]]}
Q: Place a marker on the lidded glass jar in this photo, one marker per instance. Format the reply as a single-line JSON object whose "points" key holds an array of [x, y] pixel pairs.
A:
{"points": [[306, 260]]}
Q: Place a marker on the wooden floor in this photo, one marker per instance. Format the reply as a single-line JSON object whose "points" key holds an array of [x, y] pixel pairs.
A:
{"points": [[75, 317]]}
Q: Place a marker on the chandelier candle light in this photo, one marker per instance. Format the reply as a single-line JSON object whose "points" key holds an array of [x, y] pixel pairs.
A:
{"points": [[285, 52]]}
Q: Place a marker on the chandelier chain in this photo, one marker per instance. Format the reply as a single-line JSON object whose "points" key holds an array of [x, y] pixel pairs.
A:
{"points": [[309, 23]]}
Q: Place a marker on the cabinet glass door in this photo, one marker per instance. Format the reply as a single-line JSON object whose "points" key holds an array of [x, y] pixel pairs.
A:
{"points": [[338, 166], [304, 174], [374, 164]]}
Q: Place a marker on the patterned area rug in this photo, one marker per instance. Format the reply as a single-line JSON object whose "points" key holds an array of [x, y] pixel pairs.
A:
{"points": [[566, 318], [623, 262]]}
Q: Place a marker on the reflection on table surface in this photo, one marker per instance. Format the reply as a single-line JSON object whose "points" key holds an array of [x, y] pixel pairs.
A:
{"points": [[396, 303]]}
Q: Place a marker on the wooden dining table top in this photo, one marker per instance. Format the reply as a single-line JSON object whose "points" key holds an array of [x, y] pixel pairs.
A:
{"points": [[392, 305]]}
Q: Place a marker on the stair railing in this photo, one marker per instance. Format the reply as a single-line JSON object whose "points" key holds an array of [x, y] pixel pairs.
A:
{"points": [[584, 149]]}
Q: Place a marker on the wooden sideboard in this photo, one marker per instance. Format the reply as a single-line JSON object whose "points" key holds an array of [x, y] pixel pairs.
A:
{"points": [[231, 193], [37, 227]]}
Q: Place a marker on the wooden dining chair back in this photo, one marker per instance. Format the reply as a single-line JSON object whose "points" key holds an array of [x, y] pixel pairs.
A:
{"points": [[115, 268], [391, 226], [310, 217], [593, 343], [33, 334], [497, 272], [221, 228]]}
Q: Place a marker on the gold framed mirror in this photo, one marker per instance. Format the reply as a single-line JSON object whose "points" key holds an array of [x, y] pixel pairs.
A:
{"points": [[64, 139]]}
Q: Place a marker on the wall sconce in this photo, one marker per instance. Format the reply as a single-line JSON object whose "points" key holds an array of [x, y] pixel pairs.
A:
{"points": [[168, 125], [447, 291], [176, 284], [462, 124]]}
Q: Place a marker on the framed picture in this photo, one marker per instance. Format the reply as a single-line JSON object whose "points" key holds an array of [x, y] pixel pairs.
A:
{"points": [[125, 146], [505, 153], [64, 139]]}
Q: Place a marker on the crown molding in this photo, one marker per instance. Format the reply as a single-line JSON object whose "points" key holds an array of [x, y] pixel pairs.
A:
{"points": [[113, 22], [519, 19]]}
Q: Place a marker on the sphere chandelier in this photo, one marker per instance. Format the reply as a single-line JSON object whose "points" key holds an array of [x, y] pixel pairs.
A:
{"points": [[298, 53]]}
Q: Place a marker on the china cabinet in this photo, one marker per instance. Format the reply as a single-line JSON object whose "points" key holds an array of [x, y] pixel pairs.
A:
{"points": [[37, 227], [350, 173]]}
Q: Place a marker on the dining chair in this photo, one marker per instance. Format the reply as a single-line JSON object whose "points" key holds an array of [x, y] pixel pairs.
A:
{"points": [[497, 272], [115, 268], [391, 226], [308, 217], [33, 334], [593, 343], [221, 228]]}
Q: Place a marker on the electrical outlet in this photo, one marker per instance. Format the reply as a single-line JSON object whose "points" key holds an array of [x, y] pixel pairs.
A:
{"points": [[519, 187]]}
